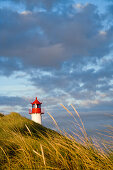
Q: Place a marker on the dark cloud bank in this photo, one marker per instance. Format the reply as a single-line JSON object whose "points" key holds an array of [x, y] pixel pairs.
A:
{"points": [[68, 42]]}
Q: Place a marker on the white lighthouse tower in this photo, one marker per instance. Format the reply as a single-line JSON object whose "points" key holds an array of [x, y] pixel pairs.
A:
{"points": [[36, 114]]}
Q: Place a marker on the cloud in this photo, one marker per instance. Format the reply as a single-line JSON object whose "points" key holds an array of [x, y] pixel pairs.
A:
{"points": [[9, 66], [43, 39], [26, 13], [47, 4], [103, 33], [13, 101]]}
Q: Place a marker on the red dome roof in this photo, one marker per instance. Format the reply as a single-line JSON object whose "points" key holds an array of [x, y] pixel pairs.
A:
{"points": [[36, 101]]}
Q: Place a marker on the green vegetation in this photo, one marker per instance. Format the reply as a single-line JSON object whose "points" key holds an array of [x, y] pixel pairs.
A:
{"points": [[25, 144], [1, 115]]}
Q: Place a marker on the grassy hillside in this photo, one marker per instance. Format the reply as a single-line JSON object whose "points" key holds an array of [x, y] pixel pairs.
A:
{"points": [[25, 144]]}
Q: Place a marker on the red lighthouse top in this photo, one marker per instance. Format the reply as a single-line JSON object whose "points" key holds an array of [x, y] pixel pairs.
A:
{"points": [[36, 107], [36, 102]]}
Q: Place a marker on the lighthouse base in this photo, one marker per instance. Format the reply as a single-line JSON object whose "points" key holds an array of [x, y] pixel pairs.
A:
{"points": [[36, 117]]}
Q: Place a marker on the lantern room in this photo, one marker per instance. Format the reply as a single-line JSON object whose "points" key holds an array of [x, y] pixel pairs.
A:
{"points": [[36, 107]]}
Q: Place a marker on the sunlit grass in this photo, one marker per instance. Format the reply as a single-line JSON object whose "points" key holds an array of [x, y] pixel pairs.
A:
{"points": [[25, 144]]}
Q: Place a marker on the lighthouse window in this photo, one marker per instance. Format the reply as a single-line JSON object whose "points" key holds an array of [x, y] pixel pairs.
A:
{"points": [[33, 106], [39, 106]]}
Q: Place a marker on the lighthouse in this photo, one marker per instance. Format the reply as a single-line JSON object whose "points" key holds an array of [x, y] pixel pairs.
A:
{"points": [[36, 114]]}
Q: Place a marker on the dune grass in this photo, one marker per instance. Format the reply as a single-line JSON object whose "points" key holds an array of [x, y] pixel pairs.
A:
{"points": [[25, 144]]}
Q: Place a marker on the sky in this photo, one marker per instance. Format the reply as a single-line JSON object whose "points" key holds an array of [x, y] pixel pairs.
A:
{"points": [[58, 50]]}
